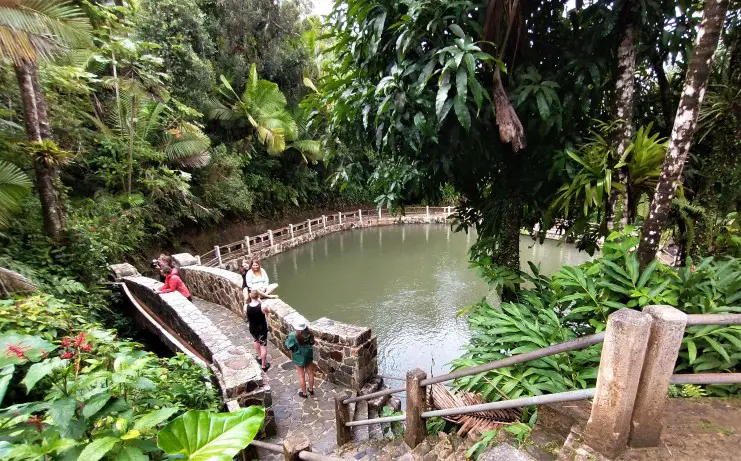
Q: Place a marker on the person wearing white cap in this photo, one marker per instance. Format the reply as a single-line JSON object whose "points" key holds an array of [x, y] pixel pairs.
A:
{"points": [[301, 344]]}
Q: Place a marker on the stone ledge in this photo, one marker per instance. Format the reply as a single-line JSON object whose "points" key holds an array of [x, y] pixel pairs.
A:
{"points": [[341, 333]]}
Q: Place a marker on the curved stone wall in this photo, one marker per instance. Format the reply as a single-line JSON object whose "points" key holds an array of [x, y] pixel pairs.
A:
{"points": [[238, 373], [345, 354]]}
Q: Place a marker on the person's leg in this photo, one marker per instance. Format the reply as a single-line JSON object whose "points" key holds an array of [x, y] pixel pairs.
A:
{"points": [[310, 370], [301, 380], [258, 352], [264, 357], [270, 288]]}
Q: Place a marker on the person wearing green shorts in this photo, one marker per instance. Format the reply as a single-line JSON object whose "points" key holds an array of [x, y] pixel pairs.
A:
{"points": [[301, 345]]}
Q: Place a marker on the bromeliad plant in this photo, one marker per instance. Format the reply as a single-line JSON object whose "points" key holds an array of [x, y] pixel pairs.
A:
{"points": [[577, 301], [78, 392]]}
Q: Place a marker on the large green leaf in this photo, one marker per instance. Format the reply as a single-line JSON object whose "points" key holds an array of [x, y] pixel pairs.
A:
{"points": [[6, 374], [98, 448], [40, 370], [16, 349], [202, 435]]}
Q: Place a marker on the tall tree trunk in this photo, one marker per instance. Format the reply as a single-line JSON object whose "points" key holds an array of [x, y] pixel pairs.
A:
{"points": [[510, 239], [665, 90], [37, 129], [622, 110], [685, 124]]}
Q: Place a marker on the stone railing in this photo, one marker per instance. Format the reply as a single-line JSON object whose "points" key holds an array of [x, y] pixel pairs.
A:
{"points": [[238, 374], [275, 241], [345, 354]]}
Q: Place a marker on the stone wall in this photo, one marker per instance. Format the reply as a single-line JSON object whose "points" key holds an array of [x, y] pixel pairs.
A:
{"points": [[218, 286], [345, 354], [238, 374]]}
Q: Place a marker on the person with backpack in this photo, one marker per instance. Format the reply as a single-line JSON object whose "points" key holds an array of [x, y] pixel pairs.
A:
{"points": [[256, 315], [301, 344]]}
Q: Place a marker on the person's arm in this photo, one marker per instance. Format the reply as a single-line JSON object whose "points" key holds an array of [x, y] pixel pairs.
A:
{"points": [[170, 284], [266, 310], [265, 276]]}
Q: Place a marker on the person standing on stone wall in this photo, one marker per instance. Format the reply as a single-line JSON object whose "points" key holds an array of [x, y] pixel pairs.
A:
{"points": [[256, 315], [301, 345], [255, 278]]}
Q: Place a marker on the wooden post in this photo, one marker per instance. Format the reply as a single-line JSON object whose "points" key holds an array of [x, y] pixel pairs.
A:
{"points": [[308, 223], [270, 237], [294, 444], [427, 211], [247, 243], [324, 221], [415, 431], [667, 330], [290, 227], [340, 215], [217, 251], [360, 216], [619, 373], [342, 416]]}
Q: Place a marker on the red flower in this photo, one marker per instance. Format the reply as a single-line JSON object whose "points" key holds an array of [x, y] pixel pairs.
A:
{"points": [[80, 339], [67, 355], [18, 351], [87, 347], [36, 421], [66, 342]]}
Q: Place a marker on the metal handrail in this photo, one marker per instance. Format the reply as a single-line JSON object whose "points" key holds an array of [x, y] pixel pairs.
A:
{"points": [[706, 378], [575, 344], [274, 447], [373, 395], [714, 319], [568, 396], [305, 455], [385, 419]]}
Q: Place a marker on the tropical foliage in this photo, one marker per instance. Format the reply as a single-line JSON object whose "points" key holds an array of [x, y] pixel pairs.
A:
{"points": [[577, 300]]}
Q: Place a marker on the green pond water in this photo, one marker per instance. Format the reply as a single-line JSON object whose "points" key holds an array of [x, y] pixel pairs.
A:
{"points": [[405, 282]]}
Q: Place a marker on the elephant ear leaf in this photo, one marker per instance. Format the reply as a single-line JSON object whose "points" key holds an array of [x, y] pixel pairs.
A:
{"points": [[202, 435]]}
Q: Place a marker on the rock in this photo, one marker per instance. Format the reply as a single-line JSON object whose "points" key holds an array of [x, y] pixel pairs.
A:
{"points": [[504, 452], [423, 448], [394, 403]]}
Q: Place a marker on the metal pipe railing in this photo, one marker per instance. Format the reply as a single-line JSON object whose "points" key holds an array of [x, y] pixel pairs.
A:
{"points": [[373, 395], [706, 378], [385, 419], [714, 319], [309, 456], [574, 344], [569, 396], [267, 446]]}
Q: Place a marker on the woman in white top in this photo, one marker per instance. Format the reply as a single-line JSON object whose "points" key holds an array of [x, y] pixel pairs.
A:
{"points": [[255, 278]]}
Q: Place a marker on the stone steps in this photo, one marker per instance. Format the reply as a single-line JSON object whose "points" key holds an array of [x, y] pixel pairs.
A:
{"points": [[360, 433]]}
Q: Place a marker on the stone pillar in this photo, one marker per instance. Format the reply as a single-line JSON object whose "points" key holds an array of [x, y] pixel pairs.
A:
{"points": [[324, 221], [415, 431], [379, 212], [21, 284], [360, 216], [198, 260], [342, 416], [270, 237], [184, 259], [217, 252], [667, 330], [620, 367], [295, 443], [308, 224], [290, 228], [247, 244]]}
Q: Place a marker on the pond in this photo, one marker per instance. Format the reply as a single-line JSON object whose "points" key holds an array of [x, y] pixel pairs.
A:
{"points": [[405, 282]]}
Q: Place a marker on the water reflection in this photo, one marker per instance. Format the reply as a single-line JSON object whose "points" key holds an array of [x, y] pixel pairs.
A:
{"points": [[405, 282]]}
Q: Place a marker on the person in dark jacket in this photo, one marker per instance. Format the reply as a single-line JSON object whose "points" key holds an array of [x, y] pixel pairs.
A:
{"points": [[301, 345], [173, 283], [256, 315]]}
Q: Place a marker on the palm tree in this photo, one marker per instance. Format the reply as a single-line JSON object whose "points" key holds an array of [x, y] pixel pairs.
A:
{"points": [[14, 187], [31, 31], [261, 110], [138, 119], [685, 124]]}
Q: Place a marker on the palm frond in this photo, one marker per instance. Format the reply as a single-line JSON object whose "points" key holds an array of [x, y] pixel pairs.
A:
{"points": [[186, 145], [15, 185], [39, 29], [310, 150]]}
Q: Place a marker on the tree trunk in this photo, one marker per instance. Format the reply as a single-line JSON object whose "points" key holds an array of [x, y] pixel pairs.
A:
{"points": [[37, 129], [509, 250], [665, 90], [622, 110], [685, 124]]}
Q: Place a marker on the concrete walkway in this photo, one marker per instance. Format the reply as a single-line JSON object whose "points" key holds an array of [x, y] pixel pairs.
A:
{"points": [[313, 416]]}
